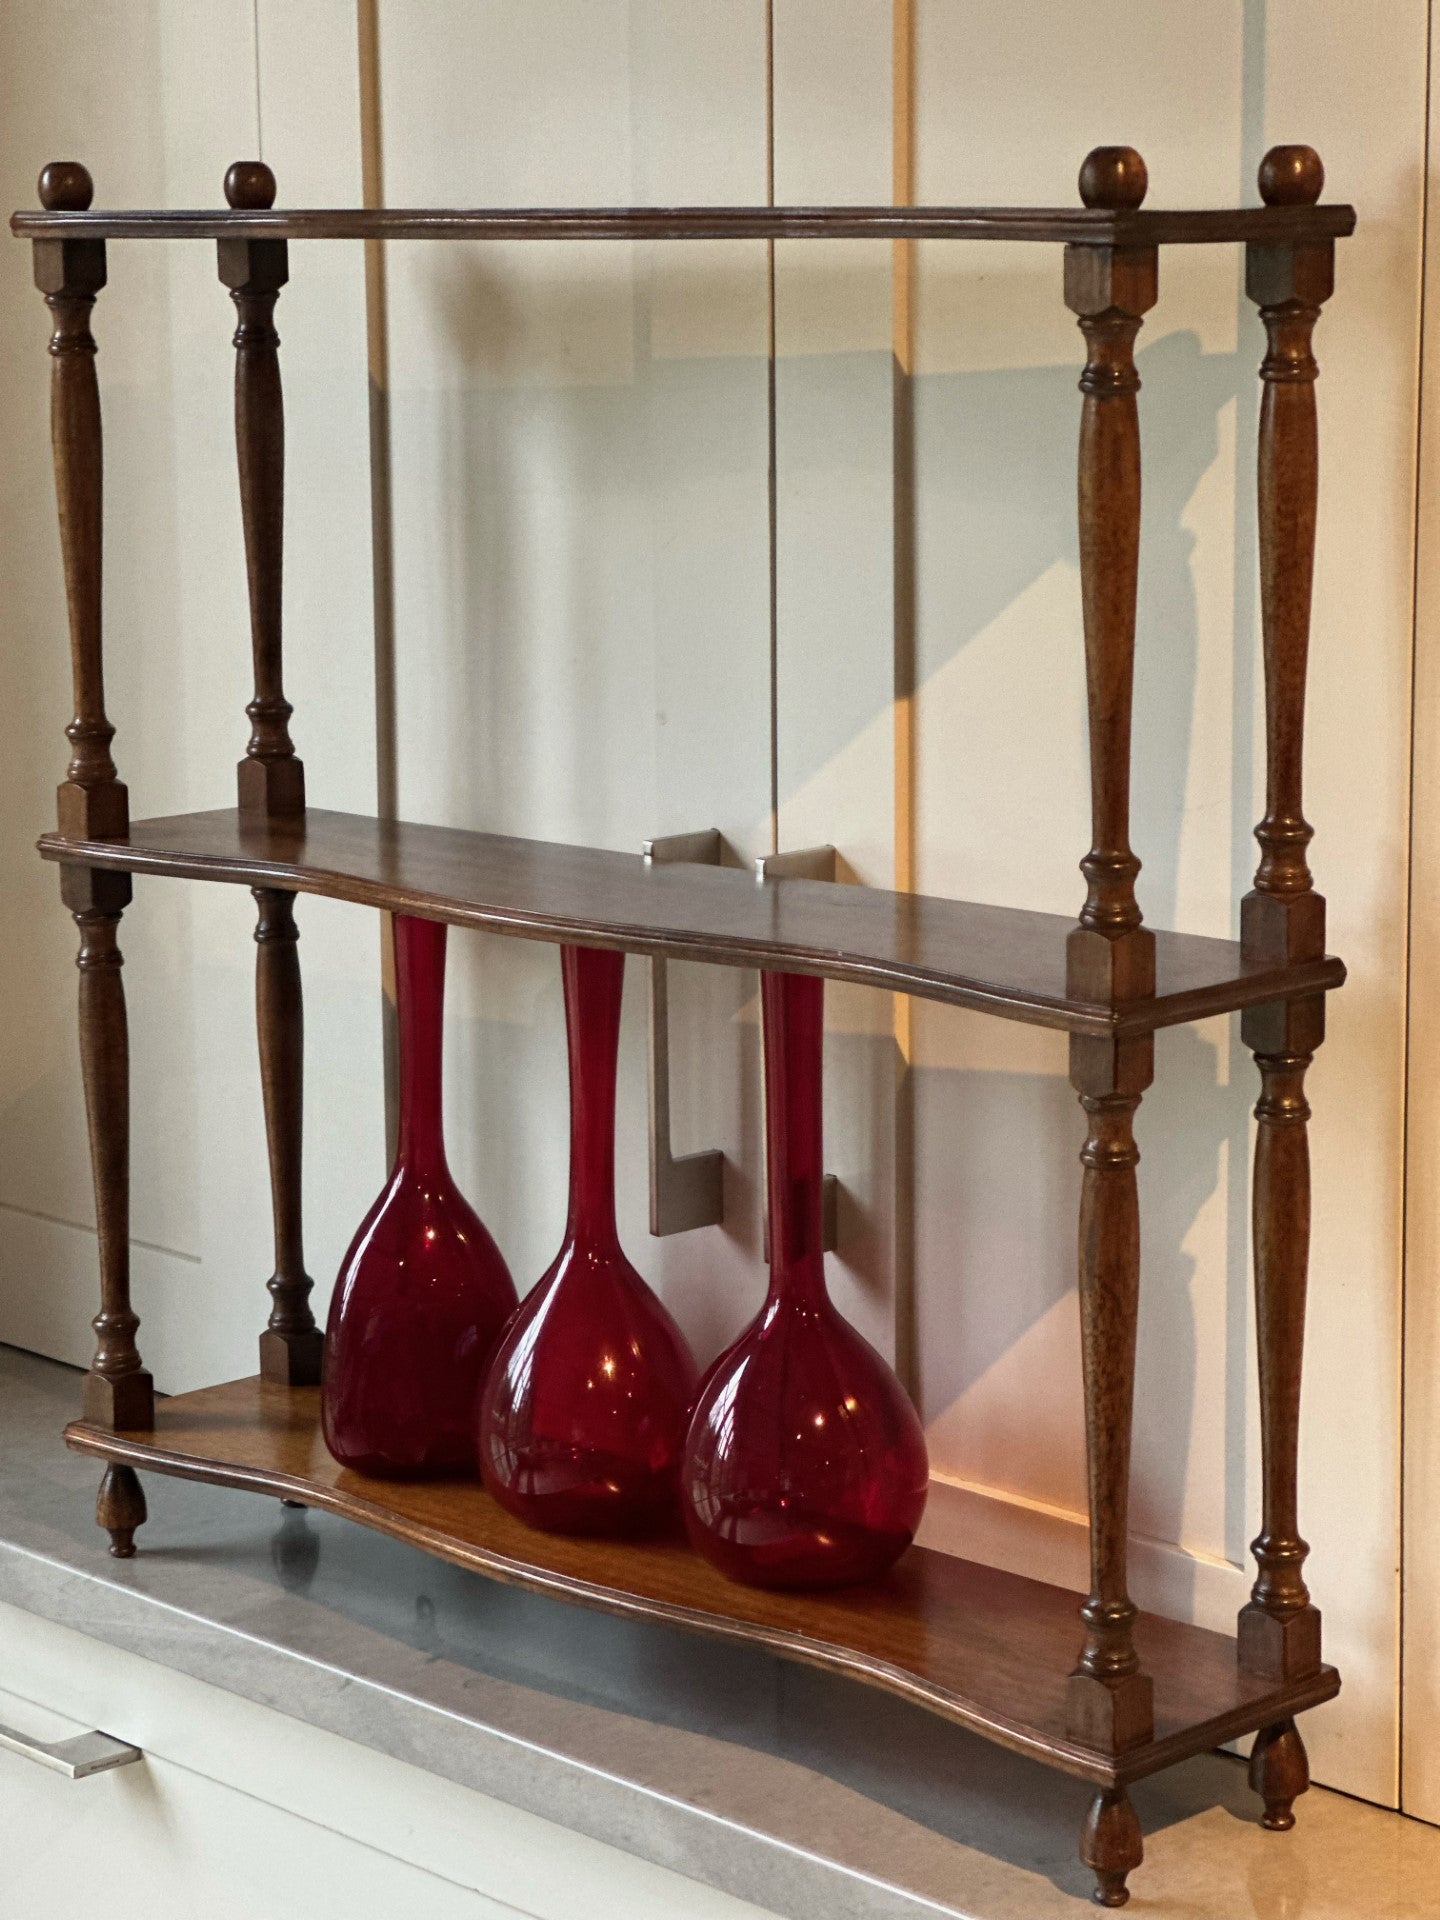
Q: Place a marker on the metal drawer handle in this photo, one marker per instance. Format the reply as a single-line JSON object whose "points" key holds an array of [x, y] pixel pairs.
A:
{"points": [[76, 1758]]}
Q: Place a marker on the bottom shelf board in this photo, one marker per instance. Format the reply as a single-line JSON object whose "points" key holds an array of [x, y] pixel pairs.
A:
{"points": [[987, 1649]]}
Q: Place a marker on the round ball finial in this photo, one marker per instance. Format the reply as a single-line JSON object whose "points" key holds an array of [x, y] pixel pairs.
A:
{"points": [[1113, 178], [1291, 177], [65, 187], [250, 185]]}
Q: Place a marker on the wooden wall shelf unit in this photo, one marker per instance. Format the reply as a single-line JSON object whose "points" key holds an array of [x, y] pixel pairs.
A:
{"points": [[1110, 1695]]}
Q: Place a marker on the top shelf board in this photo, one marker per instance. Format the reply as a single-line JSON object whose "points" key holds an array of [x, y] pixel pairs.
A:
{"points": [[1083, 226], [1000, 960]]}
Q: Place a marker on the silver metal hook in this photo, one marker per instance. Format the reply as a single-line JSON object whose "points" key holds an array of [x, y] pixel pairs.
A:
{"points": [[801, 863], [686, 1190]]}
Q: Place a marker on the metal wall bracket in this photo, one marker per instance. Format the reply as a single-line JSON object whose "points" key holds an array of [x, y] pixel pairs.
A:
{"points": [[687, 1190], [803, 863], [76, 1758]]}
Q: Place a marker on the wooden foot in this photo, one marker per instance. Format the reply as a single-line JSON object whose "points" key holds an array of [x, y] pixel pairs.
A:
{"points": [[1111, 1846], [120, 1509], [1279, 1773]]}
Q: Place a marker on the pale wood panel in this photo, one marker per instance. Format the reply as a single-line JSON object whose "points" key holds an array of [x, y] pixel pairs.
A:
{"points": [[1420, 1466], [581, 568]]}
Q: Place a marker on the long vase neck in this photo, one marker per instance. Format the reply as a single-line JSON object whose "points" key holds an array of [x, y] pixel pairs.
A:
{"points": [[793, 1006], [594, 980], [420, 1010]]}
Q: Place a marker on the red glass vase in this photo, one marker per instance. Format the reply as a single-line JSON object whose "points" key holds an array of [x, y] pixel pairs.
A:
{"points": [[583, 1416], [805, 1464], [424, 1292]]}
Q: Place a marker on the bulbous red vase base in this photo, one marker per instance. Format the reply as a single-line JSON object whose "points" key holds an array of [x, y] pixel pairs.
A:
{"points": [[583, 1415], [582, 1490], [796, 1552], [805, 1463], [423, 1292]]}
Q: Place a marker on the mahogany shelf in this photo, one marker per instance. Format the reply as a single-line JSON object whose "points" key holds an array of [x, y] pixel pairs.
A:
{"points": [[1095, 226], [1002, 960], [987, 1649], [1088, 1685]]}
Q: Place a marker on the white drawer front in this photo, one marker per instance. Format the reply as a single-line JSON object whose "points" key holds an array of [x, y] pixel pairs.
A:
{"points": [[241, 1813]]}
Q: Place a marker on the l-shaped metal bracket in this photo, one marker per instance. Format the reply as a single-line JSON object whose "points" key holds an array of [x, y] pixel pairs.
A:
{"points": [[686, 1190]]}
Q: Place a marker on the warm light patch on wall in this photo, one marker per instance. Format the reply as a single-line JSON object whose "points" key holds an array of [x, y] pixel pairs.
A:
{"points": [[902, 123]]}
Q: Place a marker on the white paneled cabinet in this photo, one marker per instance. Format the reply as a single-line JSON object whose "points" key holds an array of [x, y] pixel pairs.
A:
{"points": [[237, 1813]]}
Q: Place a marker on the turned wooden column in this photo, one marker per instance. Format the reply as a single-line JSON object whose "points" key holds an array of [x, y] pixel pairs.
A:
{"points": [[1109, 1704], [118, 1390], [92, 802], [1283, 919], [1111, 956], [270, 778], [1110, 961], [291, 1345]]}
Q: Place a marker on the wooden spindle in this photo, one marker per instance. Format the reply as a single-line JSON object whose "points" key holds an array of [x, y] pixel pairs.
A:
{"points": [[1109, 1704], [92, 803], [1279, 1629], [1283, 917], [271, 779], [1111, 956], [292, 1345], [118, 1390]]}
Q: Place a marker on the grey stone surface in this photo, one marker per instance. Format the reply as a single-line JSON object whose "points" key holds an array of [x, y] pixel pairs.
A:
{"points": [[804, 1793]]}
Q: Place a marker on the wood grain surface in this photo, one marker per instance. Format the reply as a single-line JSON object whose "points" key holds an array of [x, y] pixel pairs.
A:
{"points": [[1099, 225], [987, 1649], [1000, 960]]}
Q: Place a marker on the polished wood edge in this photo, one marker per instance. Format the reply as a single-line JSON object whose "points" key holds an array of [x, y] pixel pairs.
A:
{"points": [[140, 1450], [1099, 226], [1313, 1691], [1294, 982], [1284, 982]]}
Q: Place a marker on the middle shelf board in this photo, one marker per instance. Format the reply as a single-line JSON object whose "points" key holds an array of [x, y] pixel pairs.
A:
{"points": [[1000, 960]]}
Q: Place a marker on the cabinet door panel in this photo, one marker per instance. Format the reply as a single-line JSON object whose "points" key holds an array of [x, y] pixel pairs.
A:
{"points": [[581, 563]]}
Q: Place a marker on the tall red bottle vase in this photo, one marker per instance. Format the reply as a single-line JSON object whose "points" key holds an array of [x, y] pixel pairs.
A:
{"points": [[583, 1415], [805, 1463], [424, 1293]]}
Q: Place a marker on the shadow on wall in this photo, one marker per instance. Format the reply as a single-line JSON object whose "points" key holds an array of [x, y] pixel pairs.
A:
{"points": [[585, 659], [996, 1168]]}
